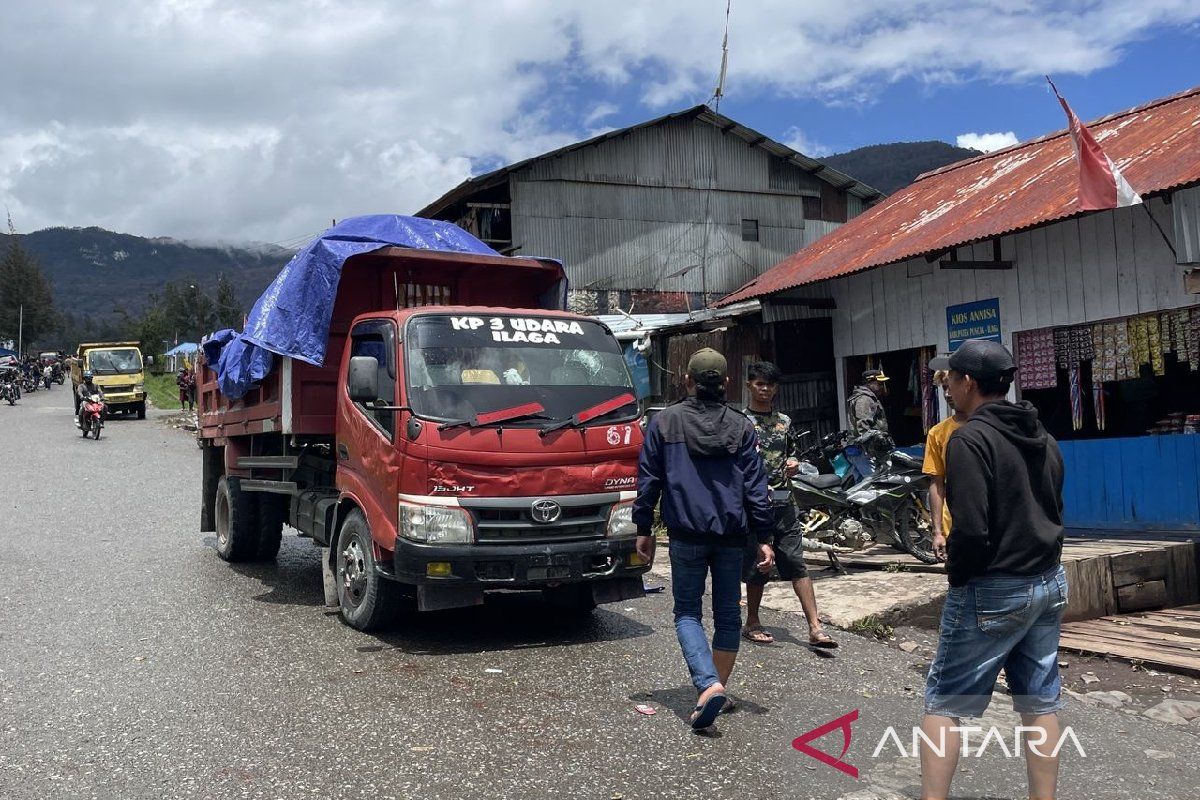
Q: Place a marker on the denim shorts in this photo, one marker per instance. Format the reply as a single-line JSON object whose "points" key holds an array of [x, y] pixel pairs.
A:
{"points": [[993, 622]]}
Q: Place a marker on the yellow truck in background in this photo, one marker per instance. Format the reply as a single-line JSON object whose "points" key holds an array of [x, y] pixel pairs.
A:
{"points": [[117, 369]]}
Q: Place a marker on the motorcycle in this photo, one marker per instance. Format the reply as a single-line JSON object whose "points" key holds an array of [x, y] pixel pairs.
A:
{"points": [[848, 500], [9, 390], [30, 382], [60, 374], [92, 416]]}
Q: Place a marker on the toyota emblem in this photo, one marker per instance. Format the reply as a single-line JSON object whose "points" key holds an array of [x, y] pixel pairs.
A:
{"points": [[545, 511]]}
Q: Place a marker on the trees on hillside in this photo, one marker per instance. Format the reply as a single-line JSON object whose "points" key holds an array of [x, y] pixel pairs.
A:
{"points": [[26, 302], [228, 310]]}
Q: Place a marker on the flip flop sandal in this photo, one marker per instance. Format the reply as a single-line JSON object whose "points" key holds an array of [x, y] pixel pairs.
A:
{"points": [[706, 713], [822, 639], [730, 705], [748, 635]]}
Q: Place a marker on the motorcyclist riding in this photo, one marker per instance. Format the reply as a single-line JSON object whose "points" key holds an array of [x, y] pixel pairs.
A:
{"points": [[84, 393]]}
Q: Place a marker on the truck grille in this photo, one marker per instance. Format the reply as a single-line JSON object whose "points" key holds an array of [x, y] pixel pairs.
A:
{"points": [[516, 525], [118, 389]]}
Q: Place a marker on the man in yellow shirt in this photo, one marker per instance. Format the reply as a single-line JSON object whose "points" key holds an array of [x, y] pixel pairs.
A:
{"points": [[935, 465]]}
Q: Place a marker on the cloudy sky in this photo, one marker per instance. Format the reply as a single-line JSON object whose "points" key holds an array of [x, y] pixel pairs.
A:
{"points": [[263, 119]]}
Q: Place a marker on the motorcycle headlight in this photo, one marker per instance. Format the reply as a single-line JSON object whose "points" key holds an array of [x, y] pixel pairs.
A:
{"points": [[620, 521], [435, 524]]}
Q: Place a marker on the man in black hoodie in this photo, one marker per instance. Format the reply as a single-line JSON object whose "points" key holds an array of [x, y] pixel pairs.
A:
{"points": [[1004, 477], [700, 458]]}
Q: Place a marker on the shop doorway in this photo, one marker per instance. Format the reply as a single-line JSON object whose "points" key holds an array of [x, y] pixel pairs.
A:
{"points": [[911, 404]]}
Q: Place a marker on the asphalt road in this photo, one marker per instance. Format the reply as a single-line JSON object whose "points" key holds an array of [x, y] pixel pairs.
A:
{"points": [[136, 664]]}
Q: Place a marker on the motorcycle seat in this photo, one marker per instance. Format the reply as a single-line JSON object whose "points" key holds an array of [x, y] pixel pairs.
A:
{"points": [[821, 481]]}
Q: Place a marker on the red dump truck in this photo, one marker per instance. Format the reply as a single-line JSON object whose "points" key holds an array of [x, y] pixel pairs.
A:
{"points": [[454, 441]]}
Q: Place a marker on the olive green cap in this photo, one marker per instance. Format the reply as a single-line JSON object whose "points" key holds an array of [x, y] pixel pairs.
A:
{"points": [[707, 366]]}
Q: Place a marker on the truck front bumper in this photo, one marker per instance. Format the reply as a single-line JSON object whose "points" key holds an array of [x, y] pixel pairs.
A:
{"points": [[124, 399], [608, 564]]}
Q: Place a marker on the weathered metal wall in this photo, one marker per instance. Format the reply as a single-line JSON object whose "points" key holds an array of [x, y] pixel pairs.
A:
{"points": [[741, 345], [1185, 212], [629, 212]]}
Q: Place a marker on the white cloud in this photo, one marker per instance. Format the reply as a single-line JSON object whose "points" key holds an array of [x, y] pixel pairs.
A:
{"points": [[263, 119], [987, 142], [600, 112], [800, 142]]}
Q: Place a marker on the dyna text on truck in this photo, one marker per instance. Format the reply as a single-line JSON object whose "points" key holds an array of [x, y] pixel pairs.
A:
{"points": [[461, 434]]}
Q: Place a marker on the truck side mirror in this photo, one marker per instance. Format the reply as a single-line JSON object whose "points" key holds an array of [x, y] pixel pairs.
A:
{"points": [[363, 380]]}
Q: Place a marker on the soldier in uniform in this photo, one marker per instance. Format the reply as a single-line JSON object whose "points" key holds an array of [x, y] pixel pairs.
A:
{"points": [[865, 414], [780, 452], [864, 411]]}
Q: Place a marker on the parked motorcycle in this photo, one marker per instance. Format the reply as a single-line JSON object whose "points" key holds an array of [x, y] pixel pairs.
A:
{"points": [[92, 416], [848, 500]]}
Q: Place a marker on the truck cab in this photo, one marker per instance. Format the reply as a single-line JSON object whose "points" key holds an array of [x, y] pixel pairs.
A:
{"points": [[454, 441], [117, 369], [471, 422]]}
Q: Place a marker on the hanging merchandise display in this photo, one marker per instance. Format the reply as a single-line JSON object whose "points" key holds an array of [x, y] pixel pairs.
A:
{"points": [[1098, 404], [1036, 364], [1076, 398]]}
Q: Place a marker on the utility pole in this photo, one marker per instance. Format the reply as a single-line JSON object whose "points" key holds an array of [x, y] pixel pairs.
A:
{"points": [[21, 331]]}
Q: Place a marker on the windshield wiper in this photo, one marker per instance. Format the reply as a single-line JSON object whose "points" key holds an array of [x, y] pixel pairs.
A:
{"points": [[534, 409], [590, 413]]}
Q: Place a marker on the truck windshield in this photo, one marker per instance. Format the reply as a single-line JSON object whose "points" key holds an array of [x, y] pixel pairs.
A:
{"points": [[460, 366], [115, 362]]}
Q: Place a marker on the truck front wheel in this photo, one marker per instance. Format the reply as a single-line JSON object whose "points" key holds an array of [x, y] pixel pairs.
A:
{"points": [[367, 601], [141, 410], [236, 514]]}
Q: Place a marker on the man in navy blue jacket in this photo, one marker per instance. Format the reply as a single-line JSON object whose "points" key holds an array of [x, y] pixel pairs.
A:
{"points": [[700, 457]]}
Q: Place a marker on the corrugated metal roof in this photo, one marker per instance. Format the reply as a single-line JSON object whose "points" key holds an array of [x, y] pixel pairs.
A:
{"points": [[644, 323], [1020, 187], [704, 114]]}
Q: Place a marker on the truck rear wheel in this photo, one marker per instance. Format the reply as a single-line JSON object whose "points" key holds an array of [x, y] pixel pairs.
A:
{"points": [[272, 510], [367, 600], [236, 521]]}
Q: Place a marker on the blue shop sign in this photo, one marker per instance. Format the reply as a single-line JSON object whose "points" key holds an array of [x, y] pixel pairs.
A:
{"points": [[978, 320]]}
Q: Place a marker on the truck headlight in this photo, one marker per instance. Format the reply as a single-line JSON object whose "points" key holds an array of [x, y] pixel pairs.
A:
{"points": [[620, 521], [435, 524], [139, 387]]}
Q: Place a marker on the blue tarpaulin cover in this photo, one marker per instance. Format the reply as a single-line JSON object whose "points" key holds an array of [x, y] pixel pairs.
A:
{"points": [[291, 318]]}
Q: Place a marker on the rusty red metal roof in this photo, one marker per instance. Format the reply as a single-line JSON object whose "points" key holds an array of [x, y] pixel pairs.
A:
{"points": [[1155, 146]]}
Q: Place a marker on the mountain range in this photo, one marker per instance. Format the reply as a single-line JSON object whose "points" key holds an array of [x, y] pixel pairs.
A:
{"points": [[888, 167], [98, 273]]}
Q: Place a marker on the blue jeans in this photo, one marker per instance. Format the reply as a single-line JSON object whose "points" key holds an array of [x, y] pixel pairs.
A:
{"points": [[690, 566], [1009, 621]]}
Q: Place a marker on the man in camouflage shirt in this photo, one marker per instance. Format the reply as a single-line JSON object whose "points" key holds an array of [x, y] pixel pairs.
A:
{"points": [[864, 411], [866, 417], [780, 452]]}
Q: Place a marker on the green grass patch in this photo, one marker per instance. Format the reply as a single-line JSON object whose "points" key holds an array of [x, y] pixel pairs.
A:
{"points": [[162, 391], [872, 626]]}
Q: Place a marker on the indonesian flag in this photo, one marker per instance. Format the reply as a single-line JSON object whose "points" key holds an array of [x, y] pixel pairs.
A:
{"points": [[1101, 184]]}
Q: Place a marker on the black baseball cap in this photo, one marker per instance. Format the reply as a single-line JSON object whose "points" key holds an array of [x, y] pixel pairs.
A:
{"points": [[979, 358], [874, 375]]}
